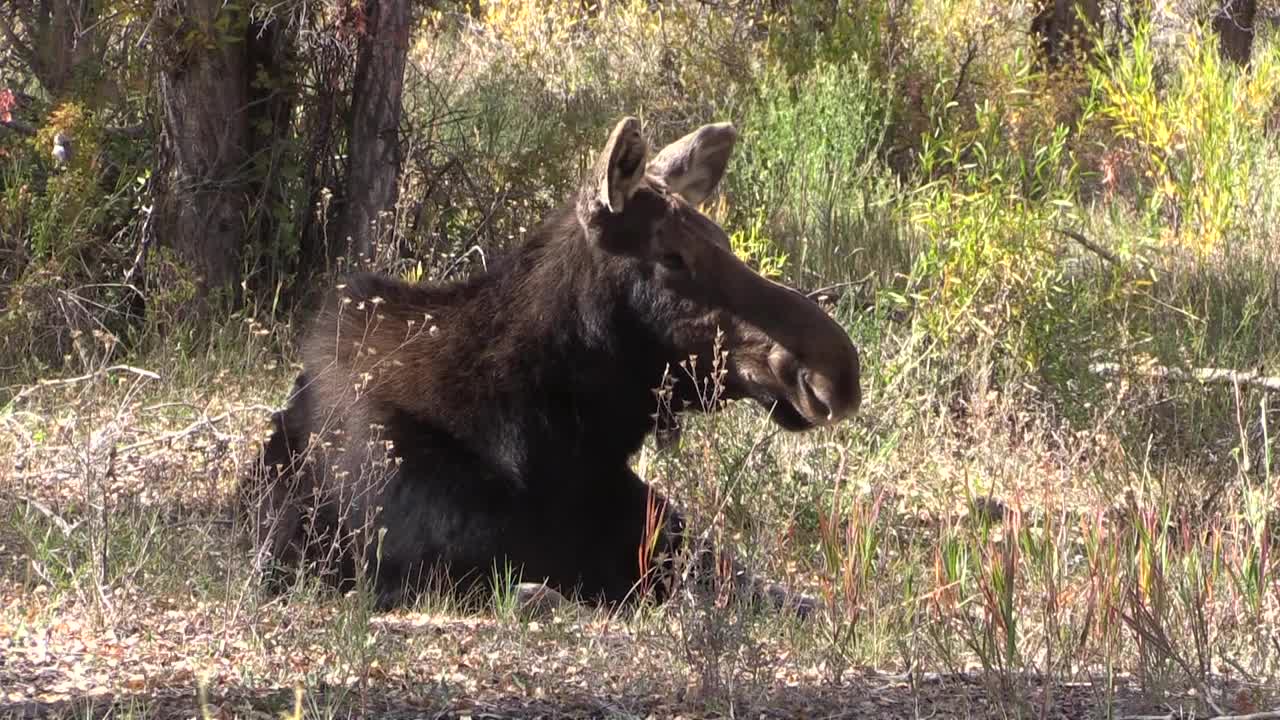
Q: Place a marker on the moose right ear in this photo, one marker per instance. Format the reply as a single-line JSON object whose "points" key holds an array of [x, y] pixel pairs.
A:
{"points": [[693, 166], [618, 171]]}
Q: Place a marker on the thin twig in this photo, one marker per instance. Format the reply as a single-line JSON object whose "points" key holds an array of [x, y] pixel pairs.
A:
{"points": [[88, 376], [1143, 622], [131, 132], [1090, 245], [144, 245], [189, 429], [1208, 376], [1267, 715], [484, 262], [827, 289], [971, 54]]}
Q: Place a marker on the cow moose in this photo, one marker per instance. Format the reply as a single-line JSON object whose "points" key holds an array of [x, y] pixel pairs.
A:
{"points": [[488, 422]]}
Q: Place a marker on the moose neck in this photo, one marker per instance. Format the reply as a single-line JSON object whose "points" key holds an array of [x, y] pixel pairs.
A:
{"points": [[571, 364]]}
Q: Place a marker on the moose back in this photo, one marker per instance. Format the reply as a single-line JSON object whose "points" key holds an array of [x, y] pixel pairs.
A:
{"points": [[448, 430]]}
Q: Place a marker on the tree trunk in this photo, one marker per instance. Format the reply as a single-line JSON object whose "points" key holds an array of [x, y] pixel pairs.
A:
{"points": [[1234, 24], [373, 143], [55, 47], [271, 56], [321, 134], [60, 43], [1067, 29], [204, 90]]}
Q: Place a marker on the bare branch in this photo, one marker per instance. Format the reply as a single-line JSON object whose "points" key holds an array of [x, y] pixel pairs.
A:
{"points": [[18, 126], [89, 376], [1208, 376], [128, 131], [828, 289], [205, 421], [1090, 245], [1268, 715], [60, 522]]}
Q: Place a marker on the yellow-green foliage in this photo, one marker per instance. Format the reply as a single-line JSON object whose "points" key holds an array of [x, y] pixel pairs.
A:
{"points": [[988, 261], [528, 88], [64, 237], [752, 243], [809, 32], [576, 47], [529, 27], [1198, 137], [806, 165], [966, 44], [71, 195]]}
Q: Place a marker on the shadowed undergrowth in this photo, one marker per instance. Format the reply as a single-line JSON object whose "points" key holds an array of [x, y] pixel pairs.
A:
{"points": [[1005, 530], [972, 552]]}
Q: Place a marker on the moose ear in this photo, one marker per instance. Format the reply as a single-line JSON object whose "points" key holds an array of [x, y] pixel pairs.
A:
{"points": [[617, 172], [693, 165]]}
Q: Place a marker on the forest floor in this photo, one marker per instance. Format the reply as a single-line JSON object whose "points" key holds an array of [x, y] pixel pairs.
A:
{"points": [[125, 593]]}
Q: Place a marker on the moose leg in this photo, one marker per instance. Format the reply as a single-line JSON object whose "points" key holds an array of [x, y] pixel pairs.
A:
{"points": [[268, 504], [638, 542]]}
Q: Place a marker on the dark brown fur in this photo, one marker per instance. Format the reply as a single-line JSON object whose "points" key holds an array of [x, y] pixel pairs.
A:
{"points": [[490, 422]]}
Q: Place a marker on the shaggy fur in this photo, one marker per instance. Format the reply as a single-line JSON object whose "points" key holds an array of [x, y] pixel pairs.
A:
{"points": [[489, 422]]}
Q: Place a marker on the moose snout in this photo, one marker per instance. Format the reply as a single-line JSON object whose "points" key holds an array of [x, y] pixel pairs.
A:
{"points": [[819, 394], [813, 368], [824, 392], [833, 395]]}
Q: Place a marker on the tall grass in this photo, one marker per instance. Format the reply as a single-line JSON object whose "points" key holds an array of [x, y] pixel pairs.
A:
{"points": [[997, 509], [809, 166]]}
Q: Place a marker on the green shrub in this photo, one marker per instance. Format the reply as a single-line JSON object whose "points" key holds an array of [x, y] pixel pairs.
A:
{"points": [[1198, 138], [514, 105], [811, 33], [808, 161], [67, 236]]}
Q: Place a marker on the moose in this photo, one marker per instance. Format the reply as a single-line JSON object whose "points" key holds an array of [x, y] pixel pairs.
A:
{"points": [[448, 429]]}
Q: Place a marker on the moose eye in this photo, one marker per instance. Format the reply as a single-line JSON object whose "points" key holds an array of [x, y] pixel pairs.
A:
{"points": [[672, 261]]}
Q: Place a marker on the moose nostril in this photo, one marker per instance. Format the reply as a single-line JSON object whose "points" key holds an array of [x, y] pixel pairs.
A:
{"points": [[814, 388]]}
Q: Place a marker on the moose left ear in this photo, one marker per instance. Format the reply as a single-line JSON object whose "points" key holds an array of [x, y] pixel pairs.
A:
{"points": [[693, 165], [618, 169]]}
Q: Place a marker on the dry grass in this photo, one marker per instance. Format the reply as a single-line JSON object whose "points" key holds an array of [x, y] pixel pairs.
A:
{"points": [[998, 534], [977, 562]]}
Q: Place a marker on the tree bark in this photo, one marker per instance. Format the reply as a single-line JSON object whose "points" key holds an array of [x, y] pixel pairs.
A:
{"points": [[1067, 29], [60, 43], [1234, 24], [373, 140], [271, 56], [204, 91]]}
